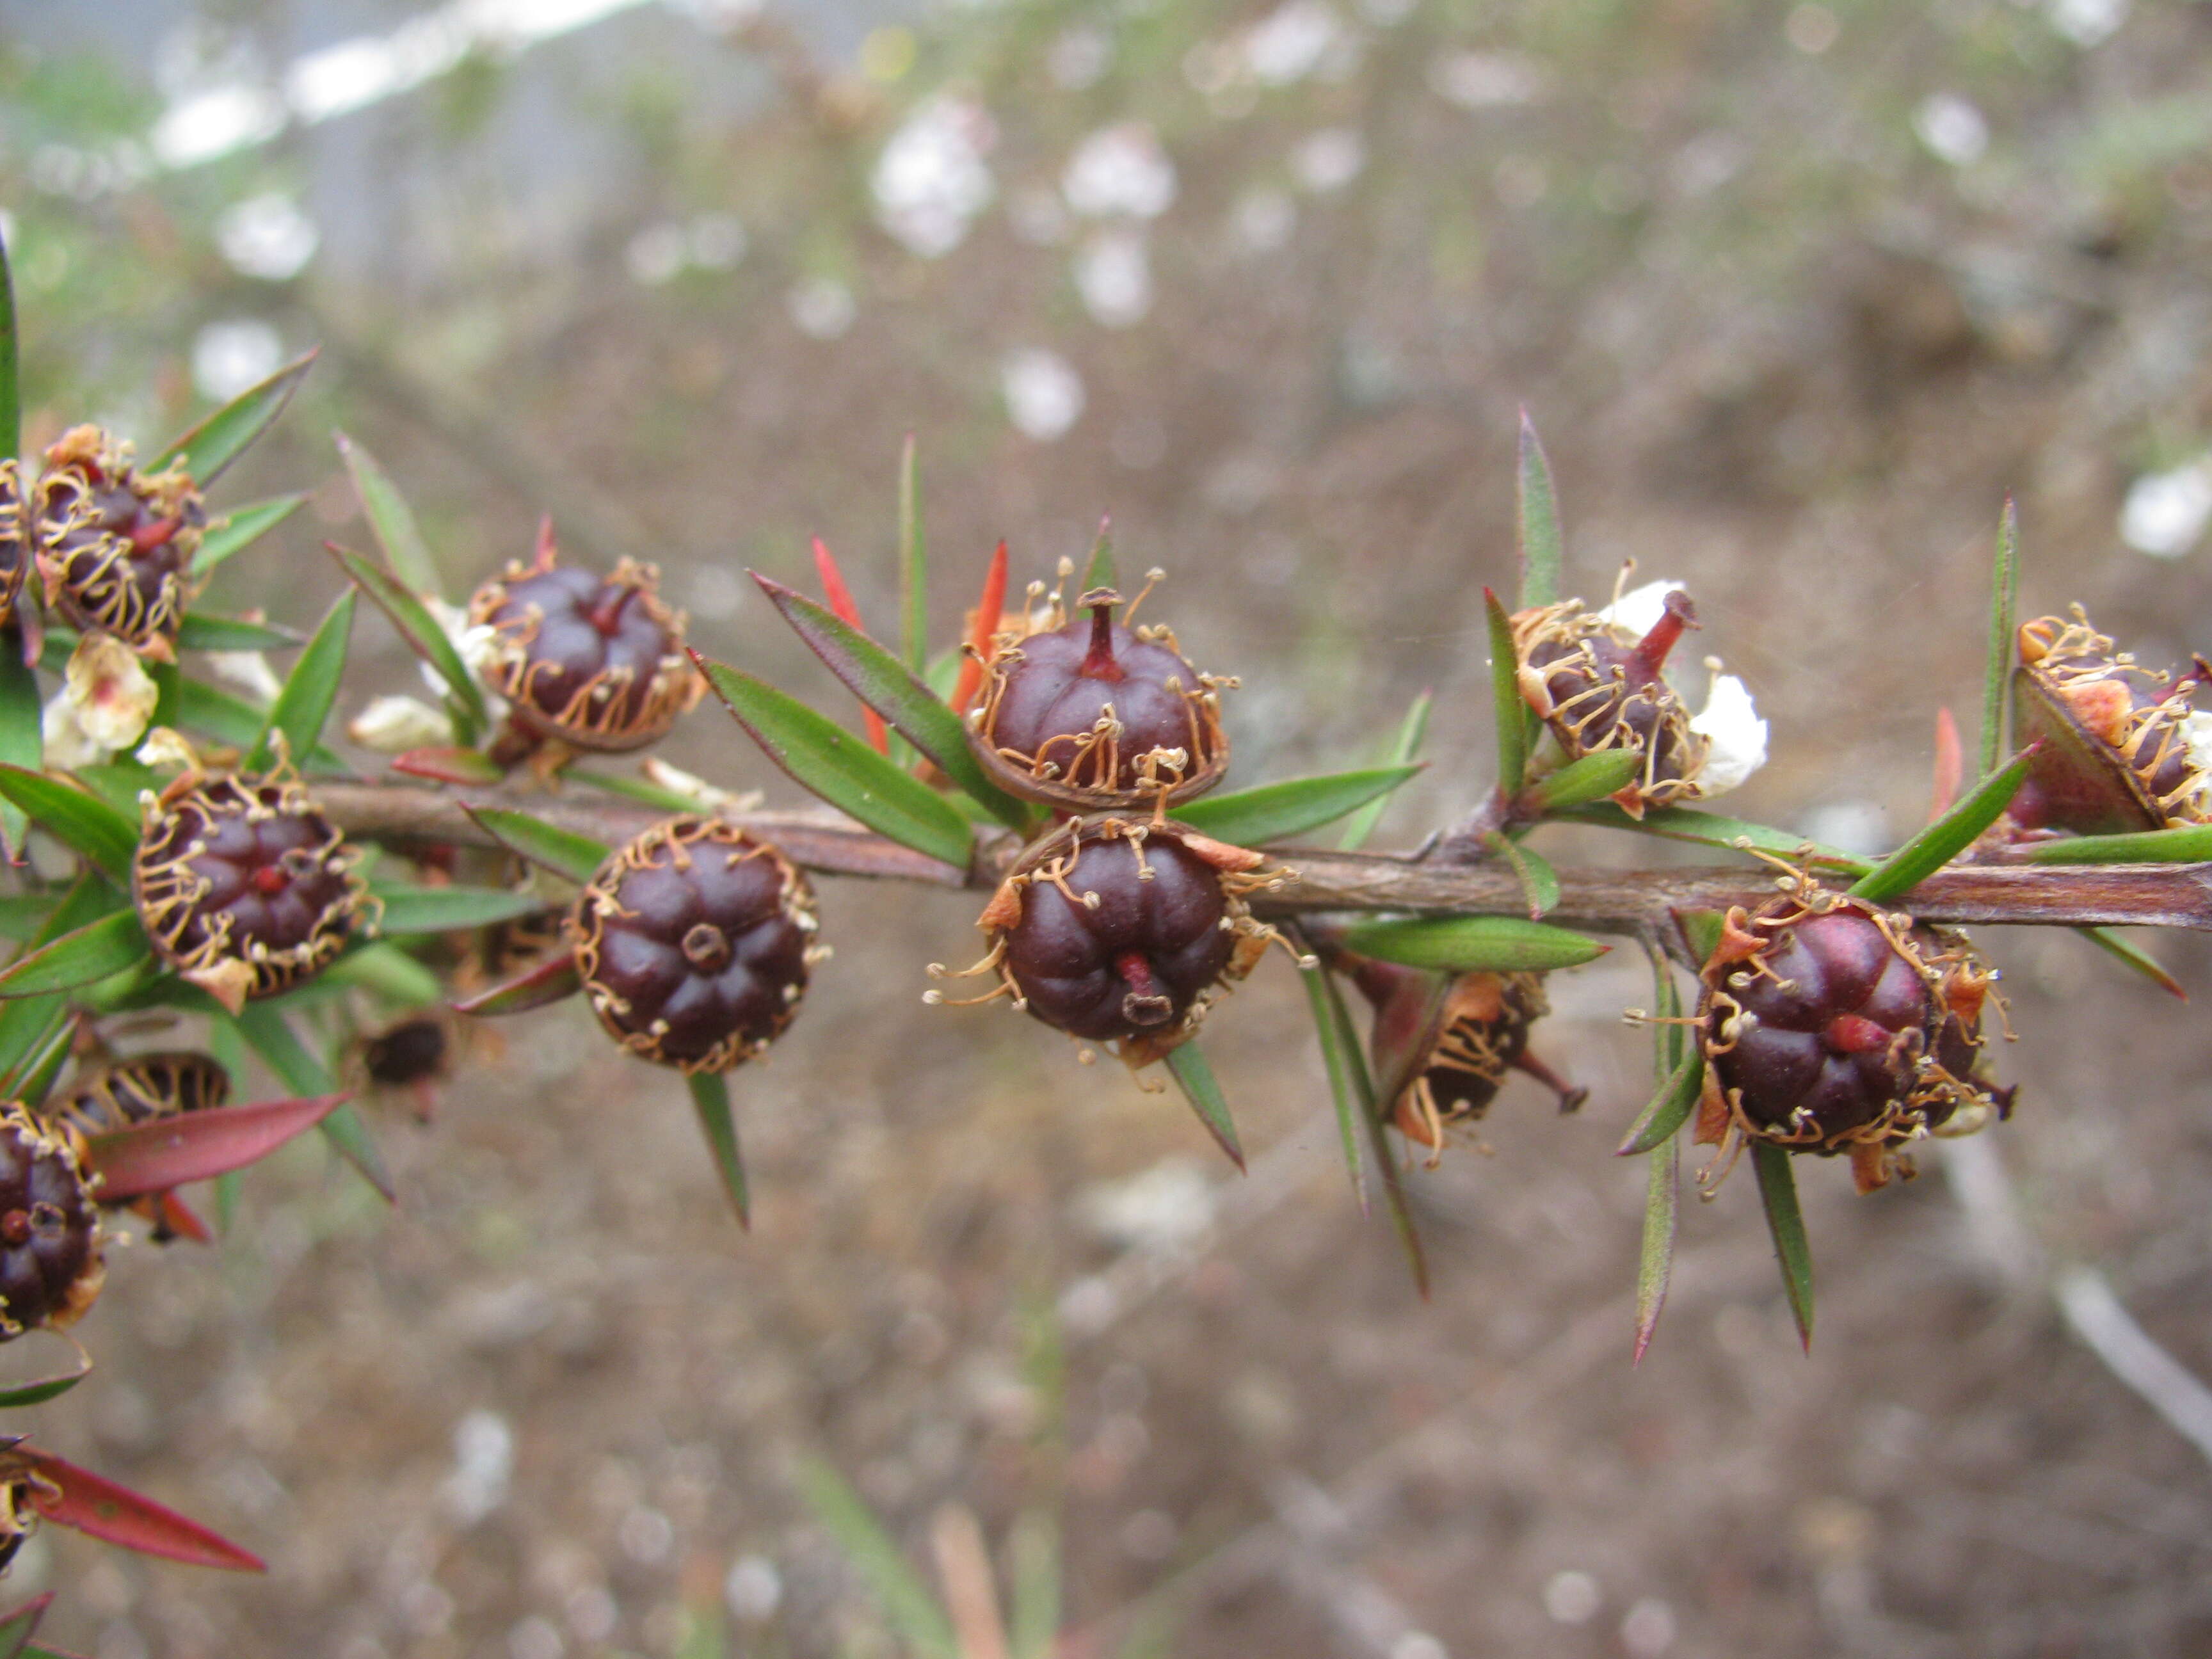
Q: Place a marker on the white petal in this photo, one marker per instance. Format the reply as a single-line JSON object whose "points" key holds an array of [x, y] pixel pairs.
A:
{"points": [[1637, 611], [64, 739], [111, 695], [249, 671], [391, 726], [1736, 734]]}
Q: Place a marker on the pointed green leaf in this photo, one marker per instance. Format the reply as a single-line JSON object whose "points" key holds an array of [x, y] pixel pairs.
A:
{"points": [[202, 630], [710, 1095], [1539, 883], [1711, 829], [118, 782], [1701, 932], [1510, 711], [183, 1148], [1033, 1553], [2191, 844], [1669, 1109], [20, 742], [547, 982], [106, 946], [234, 721], [1594, 777], [881, 681], [269, 1035], [563, 852], [1386, 1165], [1188, 1067], [28, 1025], [1275, 812], [914, 1612], [841, 769], [914, 564], [2118, 945], [46, 1387], [637, 789], [34, 1079], [1655, 1261], [1778, 1192], [448, 909], [11, 392], [390, 519], [240, 528], [78, 819], [1098, 569], [1402, 751], [1538, 519], [1339, 1045], [424, 637], [223, 436], [1461, 945], [2004, 599], [1943, 839], [305, 703]]}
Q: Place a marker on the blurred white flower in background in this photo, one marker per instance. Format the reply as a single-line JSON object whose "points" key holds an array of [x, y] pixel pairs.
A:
{"points": [[1328, 159], [1487, 80], [1263, 219], [484, 1463], [106, 699], [823, 307], [267, 236], [753, 1590], [931, 181], [1114, 274], [711, 241], [1043, 392], [1952, 128], [2087, 22], [1120, 172], [2164, 513], [1292, 42], [229, 357], [1080, 56]]}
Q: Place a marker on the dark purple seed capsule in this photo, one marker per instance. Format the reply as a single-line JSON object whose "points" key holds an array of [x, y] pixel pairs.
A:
{"points": [[114, 547], [1599, 691], [50, 1267], [414, 1051]]}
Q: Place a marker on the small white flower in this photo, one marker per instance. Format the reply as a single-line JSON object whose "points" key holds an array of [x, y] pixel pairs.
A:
{"points": [[1637, 612], [931, 180], [249, 671], [2196, 738], [392, 726], [1120, 171], [1735, 735], [106, 700], [711, 796], [167, 751], [2166, 513], [475, 644]]}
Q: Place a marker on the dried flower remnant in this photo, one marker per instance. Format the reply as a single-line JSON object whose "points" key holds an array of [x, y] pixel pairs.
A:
{"points": [[106, 699], [51, 1266], [114, 546], [121, 1094]]}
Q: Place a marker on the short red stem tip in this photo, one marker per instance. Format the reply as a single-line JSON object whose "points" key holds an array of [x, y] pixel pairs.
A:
{"points": [[1099, 663], [1650, 653]]}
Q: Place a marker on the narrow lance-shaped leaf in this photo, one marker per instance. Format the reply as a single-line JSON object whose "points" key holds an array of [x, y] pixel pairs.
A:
{"points": [[1711, 829], [232, 721], [390, 520], [1537, 519], [1511, 713], [881, 682], [848, 611], [1594, 777], [2004, 598], [269, 1035], [113, 1513], [1460, 944], [11, 385], [840, 769], [2191, 844], [657, 796], [188, 1146], [21, 741], [2122, 949], [423, 635], [563, 852], [1098, 569], [710, 1097], [1539, 883], [81, 821], [1275, 812], [223, 436], [465, 767], [1655, 1264], [240, 527], [386, 971], [1384, 1090], [1670, 1107], [914, 564], [1943, 839], [106, 946], [1778, 1192], [547, 981], [304, 704], [1701, 932], [914, 1612], [16, 1396], [1188, 1065], [1033, 1553], [446, 909], [1351, 1107], [1403, 747], [31, 1081], [202, 630]]}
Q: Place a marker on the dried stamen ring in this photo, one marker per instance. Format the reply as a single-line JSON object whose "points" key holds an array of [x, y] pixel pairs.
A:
{"points": [[114, 547], [123, 1093], [1600, 690], [50, 1267]]}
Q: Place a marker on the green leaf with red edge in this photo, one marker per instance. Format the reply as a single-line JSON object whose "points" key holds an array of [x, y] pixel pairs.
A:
{"points": [[1793, 1251], [2125, 950], [1701, 932], [187, 1146], [1340, 1046], [1462, 945], [842, 604], [91, 953], [21, 739], [229, 720], [710, 1097], [2190, 845], [266, 1032], [1536, 518], [914, 564], [1943, 839], [841, 767], [1509, 709], [563, 852], [17, 1396], [409, 909], [1594, 777], [80, 820], [1188, 1065], [547, 981], [1275, 812], [240, 527], [1403, 749], [11, 386], [881, 682], [310, 690], [1539, 883], [466, 767], [423, 636], [391, 520], [1711, 829], [204, 630], [1655, 1264], [1099, 570], [2004, 600], [18, 1626], [112, 1512], [225, 434]]}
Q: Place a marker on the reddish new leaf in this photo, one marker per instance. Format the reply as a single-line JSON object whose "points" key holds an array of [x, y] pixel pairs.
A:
{"points": [[102, 1509], [171, 1151], [180, 1219], [462, 766], [1950, 765], [841, 602], [981, 627], [548, 981]]}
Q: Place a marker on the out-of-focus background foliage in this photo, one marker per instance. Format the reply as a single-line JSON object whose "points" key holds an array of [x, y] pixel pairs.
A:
{"points": [[1797, 294]]}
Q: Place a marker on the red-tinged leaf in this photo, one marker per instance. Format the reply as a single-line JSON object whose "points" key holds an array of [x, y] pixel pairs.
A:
{"points": [[982, 624], [180, 1219], [1950, 766], [841, 601], [1656, 1263], [112, 1512], [16, 1628], [466, 767], [548, 982], [184, 1147]]}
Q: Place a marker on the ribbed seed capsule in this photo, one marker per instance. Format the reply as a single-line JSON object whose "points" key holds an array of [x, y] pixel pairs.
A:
{"points": [[1601, 689], [50, 1267], [694, 942], [114, 546]]}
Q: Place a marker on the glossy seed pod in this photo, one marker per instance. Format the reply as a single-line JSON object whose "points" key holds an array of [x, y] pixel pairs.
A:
{"points": [[694, 943], [114, 547], [1600, 689], [1830, 1026], [1092, 713], [51, 1266], [245, 887], [595, 662], [1123, 930]]}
